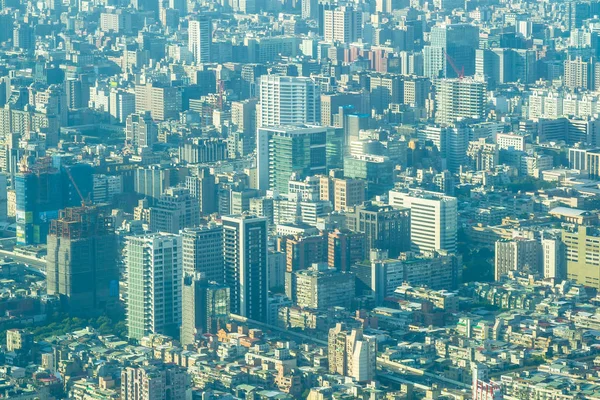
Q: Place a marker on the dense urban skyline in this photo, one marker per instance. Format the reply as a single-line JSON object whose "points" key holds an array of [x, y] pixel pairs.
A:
{"points": [[299, 199]]}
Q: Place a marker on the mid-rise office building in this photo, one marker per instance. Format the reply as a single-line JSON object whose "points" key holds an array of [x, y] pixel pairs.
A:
{"points": [[384, 227], [203, 188], [554, 258], [203, 251], [433, 219], [376, 171], [438, 271], [344, 248], [343, 193], [283, 151], [205, 307], [519, 254], [583, 255], [302, 251], [176, 209], [163, 102], [320, 287]]}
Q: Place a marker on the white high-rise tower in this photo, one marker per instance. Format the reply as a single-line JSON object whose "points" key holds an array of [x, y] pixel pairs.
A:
{"points": [[288, 100], [200, 39], [154, 279]]}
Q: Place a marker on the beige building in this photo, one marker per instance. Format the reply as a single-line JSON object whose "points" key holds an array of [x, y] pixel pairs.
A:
{"points": [[342, 192], [583, 255], [17, 339], [163, 102], [351, 353], [153, 382]]}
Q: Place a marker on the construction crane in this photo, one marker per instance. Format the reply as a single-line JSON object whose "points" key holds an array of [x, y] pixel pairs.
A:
{"points": [[459, 73], [83, 202]]}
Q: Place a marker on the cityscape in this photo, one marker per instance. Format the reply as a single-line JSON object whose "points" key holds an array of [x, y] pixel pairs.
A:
{"points": [[300, 199]]}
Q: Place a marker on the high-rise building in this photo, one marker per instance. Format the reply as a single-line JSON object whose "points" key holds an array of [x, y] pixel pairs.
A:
{"points": [[301, 251], [81, 264], [342, 24], [205, 307], [455, 42], [243, 116], [582, 74], [504, 65], [245, 258], [3, 197], [310, 9], [141, 131], [416, 90], [38, 202], [351, 353], [200, 39], [286, 150], [288, 100], [459, 98], [433, 219], [120, 104], [385, 227], [154, 278], [155, 381], [23, 37], [202, 186], [106, 188], [519, 254], [203, 251]]}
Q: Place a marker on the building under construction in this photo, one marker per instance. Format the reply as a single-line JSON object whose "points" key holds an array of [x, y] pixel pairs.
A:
{"points": [[81, 263]]}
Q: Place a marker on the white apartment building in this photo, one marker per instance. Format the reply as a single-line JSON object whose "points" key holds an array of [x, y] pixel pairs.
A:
{"points": [[433, 219], [154, 278]]}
